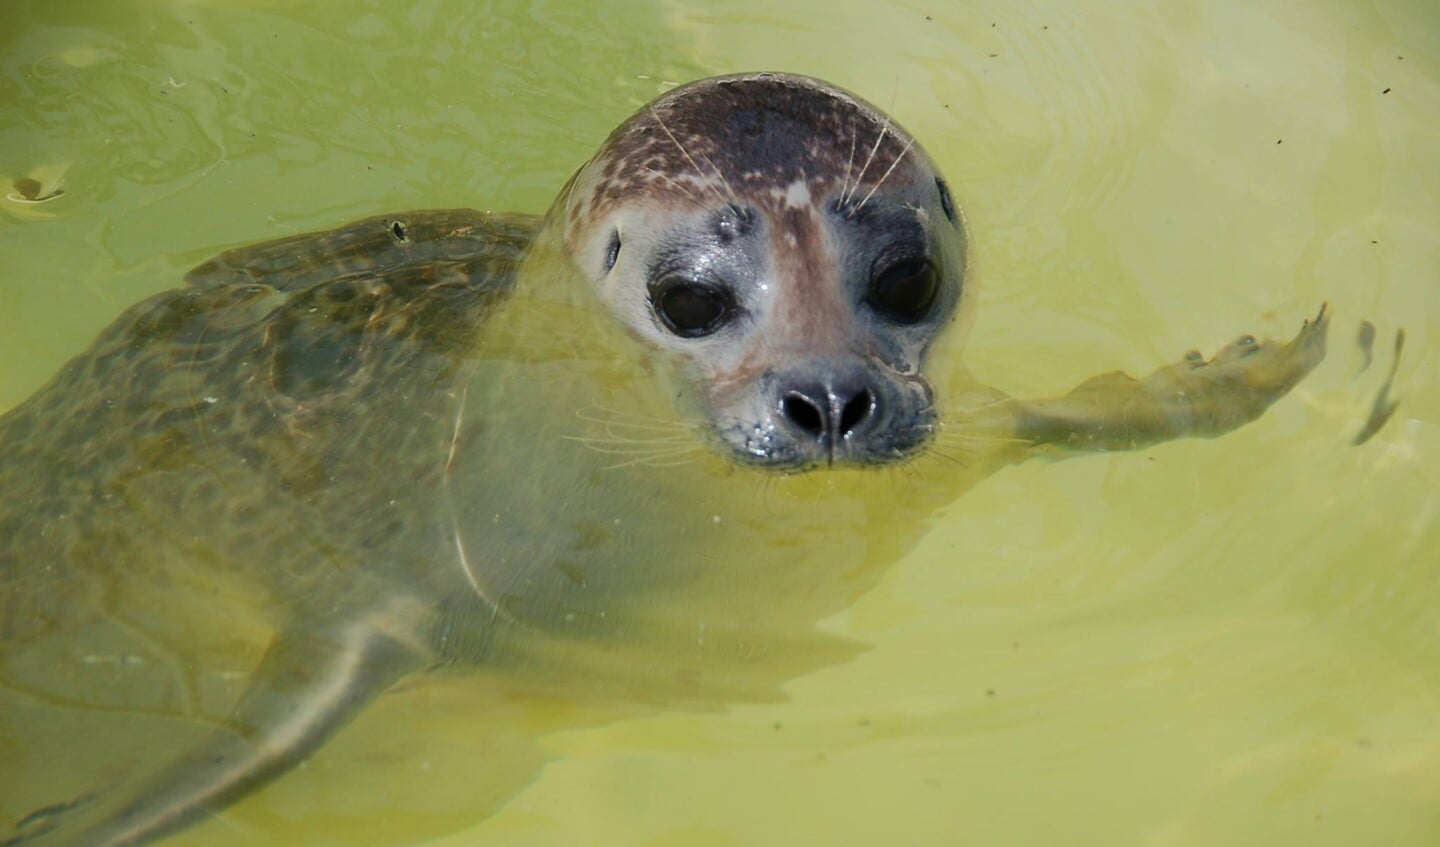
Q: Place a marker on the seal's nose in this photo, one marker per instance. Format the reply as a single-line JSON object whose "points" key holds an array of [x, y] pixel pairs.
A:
{"points": [[829, 409]]}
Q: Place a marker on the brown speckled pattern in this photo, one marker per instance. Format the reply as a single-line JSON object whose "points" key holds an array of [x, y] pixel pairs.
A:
{"points": [[354, 331], [718, 139]]}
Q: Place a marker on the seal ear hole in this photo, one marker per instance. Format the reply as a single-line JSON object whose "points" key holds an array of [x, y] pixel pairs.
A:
{"points": [[613, 252], [947, 202], [397, 229]]}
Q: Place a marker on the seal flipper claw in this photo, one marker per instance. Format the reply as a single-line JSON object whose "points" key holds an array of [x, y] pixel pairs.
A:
{"points": [[308, 686]]}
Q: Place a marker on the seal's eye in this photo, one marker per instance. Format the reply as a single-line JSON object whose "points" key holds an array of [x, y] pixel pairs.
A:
{"points": [[691, 309], [904, 291]]}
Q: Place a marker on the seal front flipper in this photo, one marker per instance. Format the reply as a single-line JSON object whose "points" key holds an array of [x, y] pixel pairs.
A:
{"points": [[308, 685], [1191, 398]]}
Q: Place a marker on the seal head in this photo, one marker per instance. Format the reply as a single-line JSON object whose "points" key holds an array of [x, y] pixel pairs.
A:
{"points": [[791, 249]]}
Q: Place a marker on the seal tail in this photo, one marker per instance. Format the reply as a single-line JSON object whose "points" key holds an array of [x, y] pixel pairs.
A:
{"points": [[307, 687]]}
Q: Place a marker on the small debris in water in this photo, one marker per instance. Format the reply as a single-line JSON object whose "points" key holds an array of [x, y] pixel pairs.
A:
{"points": [[1386, 91]]}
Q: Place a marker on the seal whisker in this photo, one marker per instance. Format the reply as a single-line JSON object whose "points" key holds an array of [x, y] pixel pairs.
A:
{"points": [[455, 435], [670, 180], [949, 458], [952, 437], [601, 414], [621, 431], [470, 577], [618, 431], [733, 197], [639, 426], [592, 411], [860, 177], [876, 187], [656, 459], [850, 162], [626, 445]]}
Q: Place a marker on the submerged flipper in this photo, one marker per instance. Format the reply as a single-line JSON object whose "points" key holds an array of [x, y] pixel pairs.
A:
{"points": [[308, 685], [1192, 398], [1383, 408]]}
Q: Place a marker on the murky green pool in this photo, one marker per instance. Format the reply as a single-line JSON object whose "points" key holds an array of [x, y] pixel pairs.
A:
{"points": [[1232, 642]]}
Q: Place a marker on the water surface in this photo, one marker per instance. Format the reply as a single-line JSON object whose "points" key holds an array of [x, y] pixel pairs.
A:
{"points": [[1207, 642]]}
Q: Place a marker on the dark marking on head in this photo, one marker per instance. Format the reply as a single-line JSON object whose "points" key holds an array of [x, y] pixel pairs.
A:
{"points": [[754, 132]]}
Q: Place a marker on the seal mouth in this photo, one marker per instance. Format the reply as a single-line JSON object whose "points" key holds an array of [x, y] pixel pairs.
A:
{"points": [[773, 446], [825, 414]]}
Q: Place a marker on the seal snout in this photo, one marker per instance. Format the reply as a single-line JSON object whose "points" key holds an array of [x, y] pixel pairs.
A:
{"points": [[835, 412], [829, 410]]}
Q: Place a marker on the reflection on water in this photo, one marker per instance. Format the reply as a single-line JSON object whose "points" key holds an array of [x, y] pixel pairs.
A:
{"points": [[1227, 642]]}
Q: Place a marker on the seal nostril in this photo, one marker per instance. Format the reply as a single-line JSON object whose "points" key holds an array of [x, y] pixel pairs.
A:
{"points": [[856, 411], [804, 413]]}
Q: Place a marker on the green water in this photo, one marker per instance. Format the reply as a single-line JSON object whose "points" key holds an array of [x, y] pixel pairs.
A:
{"points": [[1231, 642]]}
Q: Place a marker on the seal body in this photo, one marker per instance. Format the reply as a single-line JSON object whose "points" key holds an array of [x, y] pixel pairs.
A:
{"points": [[628, 449]]}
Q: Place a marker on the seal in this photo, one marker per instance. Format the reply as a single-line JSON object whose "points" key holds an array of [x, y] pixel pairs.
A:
{"points": [[627, 448]]}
